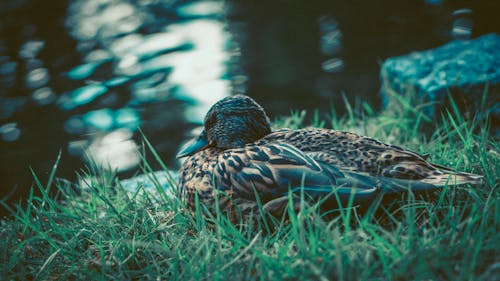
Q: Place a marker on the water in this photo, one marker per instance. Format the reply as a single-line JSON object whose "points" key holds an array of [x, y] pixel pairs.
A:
{"points": [[81, 77]]}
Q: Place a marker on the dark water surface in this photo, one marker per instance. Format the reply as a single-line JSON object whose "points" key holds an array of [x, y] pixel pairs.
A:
{"points": [[80, 77]]}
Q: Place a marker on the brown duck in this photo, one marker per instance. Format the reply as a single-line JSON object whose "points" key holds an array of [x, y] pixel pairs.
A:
{"points": [[237, 158]]}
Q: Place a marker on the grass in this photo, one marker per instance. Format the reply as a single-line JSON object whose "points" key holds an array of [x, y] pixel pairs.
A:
{"points": [[103, 232]]}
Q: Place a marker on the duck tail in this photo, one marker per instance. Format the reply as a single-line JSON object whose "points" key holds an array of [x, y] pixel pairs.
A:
{"points": [[444, 176]]}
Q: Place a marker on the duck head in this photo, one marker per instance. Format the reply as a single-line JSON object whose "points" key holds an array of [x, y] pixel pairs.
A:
{"points": [[230, 123]]}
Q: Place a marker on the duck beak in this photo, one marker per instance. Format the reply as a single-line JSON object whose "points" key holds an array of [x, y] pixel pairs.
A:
{"points": [[193, 146]]}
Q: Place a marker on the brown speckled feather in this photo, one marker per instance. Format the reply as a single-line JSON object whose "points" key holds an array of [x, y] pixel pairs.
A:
{"points": [[270, 170], [266, 169], [366, 155], [195, 176]]}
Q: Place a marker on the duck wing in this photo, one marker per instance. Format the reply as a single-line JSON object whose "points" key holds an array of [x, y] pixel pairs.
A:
{"points": [[273, 169], [362, 154]]}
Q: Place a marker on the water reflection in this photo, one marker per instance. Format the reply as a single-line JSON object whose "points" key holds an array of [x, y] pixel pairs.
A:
{"points": [[43, 96], [37, 78], [332, 65], [10, 132], [31, 49], [182, 60], [114, 150], [81, 96], [462, 24]]}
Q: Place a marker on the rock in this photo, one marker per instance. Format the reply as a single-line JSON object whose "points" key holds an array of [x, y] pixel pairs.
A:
{"points": [[462, 68]]}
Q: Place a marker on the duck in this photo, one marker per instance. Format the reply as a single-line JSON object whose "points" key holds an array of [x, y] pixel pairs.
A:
{"points": [[238, 163]]}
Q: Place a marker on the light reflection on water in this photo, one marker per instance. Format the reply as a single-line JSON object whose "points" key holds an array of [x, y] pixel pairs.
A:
{"points": [[10, 132], [183, 60], [114, 150]]}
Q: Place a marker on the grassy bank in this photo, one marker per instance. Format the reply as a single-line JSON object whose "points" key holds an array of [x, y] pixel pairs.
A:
{"points": [[103, 232]]}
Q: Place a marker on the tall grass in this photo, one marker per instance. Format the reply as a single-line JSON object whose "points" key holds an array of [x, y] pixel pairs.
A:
{"points": [[96, 230]]}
